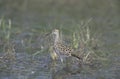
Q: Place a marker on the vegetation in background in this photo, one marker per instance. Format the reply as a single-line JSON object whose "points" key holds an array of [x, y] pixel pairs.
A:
{"points": [[7, 48], [30, 23], [87, 45]]}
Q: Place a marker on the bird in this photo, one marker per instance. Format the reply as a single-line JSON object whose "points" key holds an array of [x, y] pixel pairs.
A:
{"points": [[59, 48]]}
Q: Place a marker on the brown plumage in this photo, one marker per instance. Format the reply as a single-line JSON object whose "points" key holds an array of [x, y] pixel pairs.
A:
{"points": [[60, 49]]}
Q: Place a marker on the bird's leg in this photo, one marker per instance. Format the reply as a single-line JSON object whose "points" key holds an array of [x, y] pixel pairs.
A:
{"points": [[61, 59], [58, 54]]}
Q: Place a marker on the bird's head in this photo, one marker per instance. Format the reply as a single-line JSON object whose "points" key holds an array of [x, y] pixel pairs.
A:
{"points": [[55, 33]]}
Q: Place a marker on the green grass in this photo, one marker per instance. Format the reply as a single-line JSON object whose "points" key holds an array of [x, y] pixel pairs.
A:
{"points": [[36, 43], [5, 33], [85, 43]]}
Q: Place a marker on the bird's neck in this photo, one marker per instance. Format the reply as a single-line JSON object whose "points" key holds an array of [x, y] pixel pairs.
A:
{"points": [[57, 39]]}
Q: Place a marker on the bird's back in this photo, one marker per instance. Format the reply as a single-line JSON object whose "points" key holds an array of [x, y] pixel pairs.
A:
{"points": [[62, 49]]}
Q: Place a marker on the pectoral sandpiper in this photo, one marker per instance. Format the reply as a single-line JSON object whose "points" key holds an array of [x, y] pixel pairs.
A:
{"points": [[59, 48]]}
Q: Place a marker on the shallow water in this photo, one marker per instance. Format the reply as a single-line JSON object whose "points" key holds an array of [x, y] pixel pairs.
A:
{"points": [[32, 20]]}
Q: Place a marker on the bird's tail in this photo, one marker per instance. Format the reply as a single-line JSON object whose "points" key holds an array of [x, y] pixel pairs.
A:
{"points": [[74, 55]]}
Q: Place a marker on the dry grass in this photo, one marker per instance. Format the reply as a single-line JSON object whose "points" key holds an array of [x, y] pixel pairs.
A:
{"points": [[85, 44], [7, 52]]}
